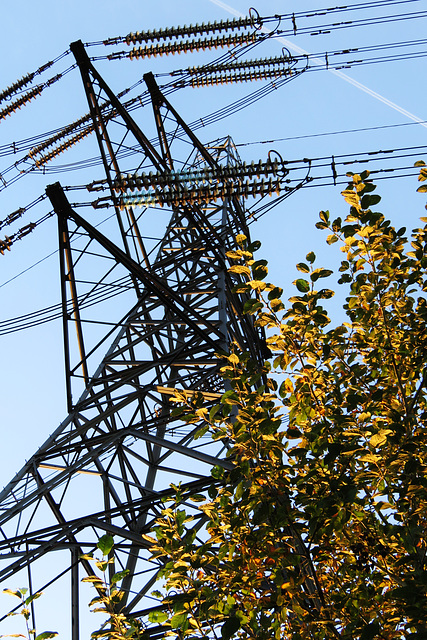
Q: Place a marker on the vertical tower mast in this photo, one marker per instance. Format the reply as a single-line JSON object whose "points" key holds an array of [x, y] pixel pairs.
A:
{"points": [[120, 445]]}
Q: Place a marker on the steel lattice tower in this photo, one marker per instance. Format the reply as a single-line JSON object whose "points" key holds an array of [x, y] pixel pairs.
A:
{"points": [[107, 466]]}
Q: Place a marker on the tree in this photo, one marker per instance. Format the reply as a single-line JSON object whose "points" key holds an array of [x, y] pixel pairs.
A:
{"points": [[117, 625], [319, 531]]}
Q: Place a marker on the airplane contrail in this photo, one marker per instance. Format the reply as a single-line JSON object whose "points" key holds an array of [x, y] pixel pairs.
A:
{"points": [[293, 47]]}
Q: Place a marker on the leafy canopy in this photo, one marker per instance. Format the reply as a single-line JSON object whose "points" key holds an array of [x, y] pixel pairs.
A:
{"points": [[319, 529]]}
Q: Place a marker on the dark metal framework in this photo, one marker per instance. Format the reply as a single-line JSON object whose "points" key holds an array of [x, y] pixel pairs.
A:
{"points": [[107, 467]]}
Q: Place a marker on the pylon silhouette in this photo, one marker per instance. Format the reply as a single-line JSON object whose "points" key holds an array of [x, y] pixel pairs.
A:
{"points": [[108, 466]]}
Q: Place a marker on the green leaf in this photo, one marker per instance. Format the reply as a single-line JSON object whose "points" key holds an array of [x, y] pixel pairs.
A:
{"points": [[119, 576], [229, 628], [370, 200], [251, 306], [369, 187], [105, 544], [370, 631], [230, 397], [197, 497], [45, 635], [276, 292], [157, 617], [326, 293], [254, 246], [302, 285], [336, 225], [33, 597], [301, 266], [321, 225], [178, 620], [320, 273], [213, 412], [310, 257]]}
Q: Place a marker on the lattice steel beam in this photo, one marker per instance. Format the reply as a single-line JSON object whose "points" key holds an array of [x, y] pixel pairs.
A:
{"points": [[120, 446]]}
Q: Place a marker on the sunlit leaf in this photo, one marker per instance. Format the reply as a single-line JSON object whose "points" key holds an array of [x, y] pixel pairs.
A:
{"points": [[119, 576], [302, 285], [105, 544], [301, 266]]}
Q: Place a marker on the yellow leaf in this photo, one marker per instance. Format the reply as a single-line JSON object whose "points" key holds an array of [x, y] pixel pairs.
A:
{"points": [[369, 457], [257, 284], [149, 539], [239, 268], [351, 198], [94, 579], [289, 387], [380, 438]]}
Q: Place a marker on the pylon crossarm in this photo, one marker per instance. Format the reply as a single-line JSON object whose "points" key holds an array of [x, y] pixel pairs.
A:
{"points": [[153, 284], [85, 66]]}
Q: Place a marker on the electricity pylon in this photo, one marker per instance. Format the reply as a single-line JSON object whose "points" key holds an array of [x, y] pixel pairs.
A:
{"points": [[108, 466]]}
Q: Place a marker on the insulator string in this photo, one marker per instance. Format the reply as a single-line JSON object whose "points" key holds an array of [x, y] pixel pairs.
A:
{"points": [[15, 215], [239, 23], [28, 78], [36, 91]]}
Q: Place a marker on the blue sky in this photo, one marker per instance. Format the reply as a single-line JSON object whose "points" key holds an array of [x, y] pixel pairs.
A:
{"points": [[32, 391]]}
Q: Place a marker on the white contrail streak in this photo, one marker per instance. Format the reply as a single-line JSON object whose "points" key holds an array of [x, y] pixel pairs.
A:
{"points": [[290, 45]]}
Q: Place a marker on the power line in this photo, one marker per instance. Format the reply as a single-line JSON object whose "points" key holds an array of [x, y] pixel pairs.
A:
{"points": [[332, 163], [330, 133]]}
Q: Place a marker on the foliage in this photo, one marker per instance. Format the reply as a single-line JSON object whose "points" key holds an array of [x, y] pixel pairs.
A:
{"points": [[319, 530], [117, 626], [24, 611]]}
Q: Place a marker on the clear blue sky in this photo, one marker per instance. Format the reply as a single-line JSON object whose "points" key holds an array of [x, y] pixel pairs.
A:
{"points": [[32, 381]]}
